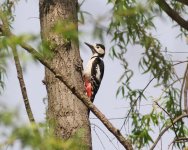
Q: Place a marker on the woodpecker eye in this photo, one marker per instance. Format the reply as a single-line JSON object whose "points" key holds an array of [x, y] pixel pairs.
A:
{"points": [[97, 47]]}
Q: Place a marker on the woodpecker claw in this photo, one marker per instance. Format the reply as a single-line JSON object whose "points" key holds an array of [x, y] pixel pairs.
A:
{"points": [[79, 67]]}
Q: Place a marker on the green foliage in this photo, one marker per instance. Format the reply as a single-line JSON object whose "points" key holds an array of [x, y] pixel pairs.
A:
{"points": [[3, 66], [29, 137], [6, 118], [67, 29], [81, 13], [5, 53], [141, 133], [179, 7], [154, 62], [44, 48], [33, 136], [133, 24], [171, 104], [7, 17]]}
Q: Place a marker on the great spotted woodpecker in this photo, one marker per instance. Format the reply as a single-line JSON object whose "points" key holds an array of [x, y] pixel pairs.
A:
{"points": [[93, 73]]}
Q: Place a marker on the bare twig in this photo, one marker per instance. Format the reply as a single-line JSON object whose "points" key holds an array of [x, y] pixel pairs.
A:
{"points": [[175, 81], [109, 118], [166, 128], [169, 117], [125, 142], [4, 28], [134, 103], [181, 139], [180, 62], [185, 92], [172, 13], [22, 84], [171, 52], [161, 141], [105, 135], [98, 137]]}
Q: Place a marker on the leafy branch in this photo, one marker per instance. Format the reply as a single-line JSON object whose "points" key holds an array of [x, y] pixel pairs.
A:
{"points": [[179, 140], [135, 102], [166, 128], [170, 118], [4, 29], [22, 84], [186, 90], [173, 14], [125, 142]]}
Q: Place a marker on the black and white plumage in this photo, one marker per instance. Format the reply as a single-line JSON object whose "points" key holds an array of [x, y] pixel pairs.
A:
{"points": [[93, 73]]}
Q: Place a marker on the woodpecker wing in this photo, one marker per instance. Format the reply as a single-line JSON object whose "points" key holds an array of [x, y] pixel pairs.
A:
{"points": [[97, 72]]}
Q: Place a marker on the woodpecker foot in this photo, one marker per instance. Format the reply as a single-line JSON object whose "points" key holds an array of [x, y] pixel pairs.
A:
{"points": [[44, 81], [78, 68]]}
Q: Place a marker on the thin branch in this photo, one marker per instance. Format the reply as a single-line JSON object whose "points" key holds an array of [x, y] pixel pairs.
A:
{"points": [[180, 62], [136, 102], [186, 90], [98, 137], [181, 91], [22, 84], [141, 105], [171, 52], [166, 128], [172, 13], [109, 118], [179, 140], [6, 31], [178, 80], [169, 117], [105, 135], [125, 142], [161, 141]]}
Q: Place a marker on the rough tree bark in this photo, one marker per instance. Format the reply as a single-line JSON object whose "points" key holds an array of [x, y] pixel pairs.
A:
{"points": [[69, 113]]}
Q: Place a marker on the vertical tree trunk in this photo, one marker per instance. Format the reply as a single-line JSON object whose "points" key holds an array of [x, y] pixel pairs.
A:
{"points": [[69, 113]]}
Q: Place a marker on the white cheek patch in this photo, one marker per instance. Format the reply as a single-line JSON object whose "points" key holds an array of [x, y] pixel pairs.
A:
{"points": [[100, 51]]}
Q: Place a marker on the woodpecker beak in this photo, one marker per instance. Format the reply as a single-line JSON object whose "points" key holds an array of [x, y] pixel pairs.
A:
{"points": [[90, 46]]}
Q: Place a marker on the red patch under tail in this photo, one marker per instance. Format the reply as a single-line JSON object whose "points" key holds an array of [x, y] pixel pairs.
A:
{"points": [[88, 88]]}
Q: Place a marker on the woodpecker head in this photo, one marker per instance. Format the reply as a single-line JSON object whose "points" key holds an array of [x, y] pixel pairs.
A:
{"points": [[97, 49]]}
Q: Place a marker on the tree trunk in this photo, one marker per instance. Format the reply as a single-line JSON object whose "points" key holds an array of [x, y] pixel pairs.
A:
{"points": [[68, 112]]}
